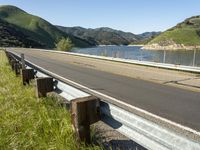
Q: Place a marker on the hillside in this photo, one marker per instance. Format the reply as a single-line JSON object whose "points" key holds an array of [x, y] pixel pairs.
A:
{"points": [[37, 28], [185, 35], [11, 36], [148, 35], [102, 36], [145, 38]]}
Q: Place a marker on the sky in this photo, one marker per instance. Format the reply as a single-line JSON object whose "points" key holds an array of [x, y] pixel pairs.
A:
{"points": [[136, 16]]}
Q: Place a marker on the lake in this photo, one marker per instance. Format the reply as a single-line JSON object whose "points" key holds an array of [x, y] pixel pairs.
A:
{"points": [[180, 57]]}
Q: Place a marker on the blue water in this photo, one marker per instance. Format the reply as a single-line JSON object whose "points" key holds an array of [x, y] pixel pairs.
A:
{"points": [[180, 57]]}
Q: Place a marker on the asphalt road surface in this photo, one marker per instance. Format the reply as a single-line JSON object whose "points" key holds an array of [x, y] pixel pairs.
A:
{"points": [[178, 105]]}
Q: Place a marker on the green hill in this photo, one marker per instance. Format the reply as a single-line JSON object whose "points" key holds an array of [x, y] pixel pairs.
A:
{"points": [[101, 36], [108, 36], [11, 36], [37, 28], [183, 35]]}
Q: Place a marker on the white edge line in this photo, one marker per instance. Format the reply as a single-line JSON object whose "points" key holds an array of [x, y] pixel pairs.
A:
{"points": [[121, 102]]}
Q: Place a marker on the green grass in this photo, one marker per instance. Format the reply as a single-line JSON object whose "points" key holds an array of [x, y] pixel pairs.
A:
{"points": [[184, 36], [183, 33], [30, 123], [11, 36]]}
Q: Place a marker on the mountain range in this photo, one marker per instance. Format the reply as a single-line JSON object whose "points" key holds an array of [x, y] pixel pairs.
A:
{"points": [[34, 28], [107, 36], [21, 29]]}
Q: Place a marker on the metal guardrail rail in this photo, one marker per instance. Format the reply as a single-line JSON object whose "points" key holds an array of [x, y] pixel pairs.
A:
{"points": [[143, 131]]}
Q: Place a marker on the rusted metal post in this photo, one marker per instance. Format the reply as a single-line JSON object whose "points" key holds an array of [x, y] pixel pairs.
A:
{"points": [[84, 112], [27, 75], [43, 86]]}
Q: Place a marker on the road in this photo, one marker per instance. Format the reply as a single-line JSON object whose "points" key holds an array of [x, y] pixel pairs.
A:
{"points": [[176, 104]]}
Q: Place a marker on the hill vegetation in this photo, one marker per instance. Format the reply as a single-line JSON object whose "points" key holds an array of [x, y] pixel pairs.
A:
{"points": [[145, 38], [106, 36], [64, 45], [147, 35], [20, 29], [36, 28], [11, 36], [99, 36], [185, 35]]}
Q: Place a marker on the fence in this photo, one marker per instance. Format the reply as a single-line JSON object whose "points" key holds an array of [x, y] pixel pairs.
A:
{"points": [[89, 106], [179, 57]]}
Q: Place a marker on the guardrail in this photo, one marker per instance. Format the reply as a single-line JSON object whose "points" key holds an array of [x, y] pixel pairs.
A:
{"points": [[87, 109], [130, 61]]}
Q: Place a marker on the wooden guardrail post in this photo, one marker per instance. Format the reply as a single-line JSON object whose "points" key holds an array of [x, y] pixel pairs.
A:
{"points": [[7, 55], [43, 86], [13, 62], [84, 112], [17, 68], [23, 61], [27, 75], [9, 58]]}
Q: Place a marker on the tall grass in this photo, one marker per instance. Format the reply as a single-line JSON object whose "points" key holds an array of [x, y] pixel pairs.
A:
{"points": [[30, 123]]}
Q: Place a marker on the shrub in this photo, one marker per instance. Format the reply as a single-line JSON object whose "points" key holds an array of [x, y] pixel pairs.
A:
{"points": [[198, 32], [65, 44]]}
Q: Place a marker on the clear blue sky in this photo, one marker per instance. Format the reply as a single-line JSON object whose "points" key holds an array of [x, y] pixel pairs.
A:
{"points": [[136, 16]]}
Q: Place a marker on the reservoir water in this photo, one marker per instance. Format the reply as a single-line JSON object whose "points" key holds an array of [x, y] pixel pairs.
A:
{"points": [[180, 57]]}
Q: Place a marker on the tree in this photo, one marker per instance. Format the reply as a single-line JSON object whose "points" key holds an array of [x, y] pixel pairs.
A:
{"points": [[65, 44]]}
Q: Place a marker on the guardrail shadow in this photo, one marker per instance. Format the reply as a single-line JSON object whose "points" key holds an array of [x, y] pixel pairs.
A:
{"points": [[61, 101], [106, 116], [124, 145], [110, 138]]}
